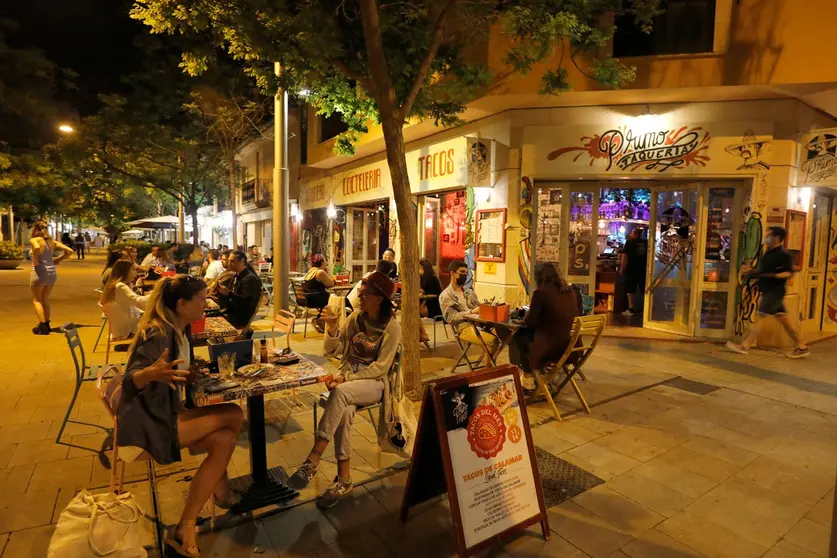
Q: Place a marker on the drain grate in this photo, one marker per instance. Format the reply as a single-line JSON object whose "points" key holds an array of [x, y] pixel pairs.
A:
{"points": [[690, 385], [561, 479]]}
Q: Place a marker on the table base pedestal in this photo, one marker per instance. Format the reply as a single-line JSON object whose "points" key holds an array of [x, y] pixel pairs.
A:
{"points": [[259, 494]]}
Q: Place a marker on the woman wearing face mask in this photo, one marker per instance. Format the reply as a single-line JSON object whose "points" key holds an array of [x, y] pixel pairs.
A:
{"points": [[150, 411]]}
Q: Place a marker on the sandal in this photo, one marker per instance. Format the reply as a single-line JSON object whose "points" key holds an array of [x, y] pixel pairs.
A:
{"points": [[172, 543]]}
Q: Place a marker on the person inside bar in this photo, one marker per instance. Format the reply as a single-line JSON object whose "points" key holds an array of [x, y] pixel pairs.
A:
{"points": [[430, 285], [389, 255], [315, 285], [457, 301], [547, 325], [366, 345]]}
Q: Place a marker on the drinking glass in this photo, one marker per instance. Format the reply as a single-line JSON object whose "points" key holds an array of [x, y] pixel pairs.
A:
{"points": [[226, 365]]}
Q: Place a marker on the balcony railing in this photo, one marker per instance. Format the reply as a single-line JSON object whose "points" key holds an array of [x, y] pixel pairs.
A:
{"points": [[256, 193]]}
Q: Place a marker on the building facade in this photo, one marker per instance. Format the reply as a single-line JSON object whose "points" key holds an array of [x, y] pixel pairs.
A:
{"points": [[728, 129]]}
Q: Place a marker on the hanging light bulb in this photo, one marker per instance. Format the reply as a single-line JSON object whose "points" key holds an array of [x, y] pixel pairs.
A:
{"points": [[331, 211]]}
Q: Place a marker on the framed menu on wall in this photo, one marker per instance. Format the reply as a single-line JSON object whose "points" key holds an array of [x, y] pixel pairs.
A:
{"points": [[795, 225], [491, 235]]}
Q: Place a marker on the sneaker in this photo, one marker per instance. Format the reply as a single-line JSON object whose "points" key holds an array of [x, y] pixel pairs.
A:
{"points": [[337, 491], [799, 353], [628, 312], [303, 475], [736, 348], [528, 382]]}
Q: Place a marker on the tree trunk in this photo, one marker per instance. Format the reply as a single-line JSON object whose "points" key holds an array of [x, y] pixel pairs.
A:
{"points": [[409, 264], [193, 213], [234, 226]]}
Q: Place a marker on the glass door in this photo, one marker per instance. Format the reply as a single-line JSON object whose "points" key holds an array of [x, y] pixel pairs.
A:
{"points": [[581, 247], [717, 279], [364, 232], [814, 277], [431, 231], [674, 212]]}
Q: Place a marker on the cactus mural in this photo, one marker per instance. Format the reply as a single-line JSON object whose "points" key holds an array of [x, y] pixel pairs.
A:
{"points": [[749, 251]]}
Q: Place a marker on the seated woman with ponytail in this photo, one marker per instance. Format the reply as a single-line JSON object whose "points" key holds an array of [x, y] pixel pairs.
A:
{"points": [[151, 415]]}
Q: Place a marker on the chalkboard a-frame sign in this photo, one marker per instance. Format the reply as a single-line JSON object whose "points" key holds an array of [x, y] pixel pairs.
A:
{"points": [[474, 443]]}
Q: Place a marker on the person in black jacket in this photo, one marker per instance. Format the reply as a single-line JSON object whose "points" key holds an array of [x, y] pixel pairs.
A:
{"points": [[239, 304]]}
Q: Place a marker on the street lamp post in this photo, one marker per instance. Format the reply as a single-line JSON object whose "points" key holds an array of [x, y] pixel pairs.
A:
{"points": [[281, 242]]}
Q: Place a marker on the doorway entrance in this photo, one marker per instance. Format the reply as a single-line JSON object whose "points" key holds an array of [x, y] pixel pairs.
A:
{"points": [[445, 228], [689, 232], [364, 230], [815, 284]]}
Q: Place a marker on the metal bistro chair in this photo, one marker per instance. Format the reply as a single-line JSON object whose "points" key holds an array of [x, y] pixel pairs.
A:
{"points": [[302, 303], [109, 386], [84, 373], [583, 340], [463, 352], [284, 322]]}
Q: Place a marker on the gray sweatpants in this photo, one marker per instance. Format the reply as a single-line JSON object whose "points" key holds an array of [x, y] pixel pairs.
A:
{"points": [[336, 424]]}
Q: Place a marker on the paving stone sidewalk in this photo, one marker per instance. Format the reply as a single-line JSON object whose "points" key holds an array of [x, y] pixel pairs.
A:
{"points": [[744, 470]]}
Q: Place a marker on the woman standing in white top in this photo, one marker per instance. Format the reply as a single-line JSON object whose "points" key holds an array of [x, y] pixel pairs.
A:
{"points": [[121, 304]]}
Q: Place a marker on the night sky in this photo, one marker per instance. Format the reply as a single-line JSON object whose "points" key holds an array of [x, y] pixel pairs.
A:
{"points": [[94, 38]]}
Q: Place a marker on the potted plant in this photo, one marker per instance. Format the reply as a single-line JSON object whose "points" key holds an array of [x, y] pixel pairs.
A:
{"points": [[11, 255]]}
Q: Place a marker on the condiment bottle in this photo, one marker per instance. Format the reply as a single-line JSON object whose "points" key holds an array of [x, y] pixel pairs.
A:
{"points": [[263, 351]]}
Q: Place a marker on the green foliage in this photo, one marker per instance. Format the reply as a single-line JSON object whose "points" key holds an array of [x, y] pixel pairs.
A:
{"points": [[428, 49], [11, 251]]}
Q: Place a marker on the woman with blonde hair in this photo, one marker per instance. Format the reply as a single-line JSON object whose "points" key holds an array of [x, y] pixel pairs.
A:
{"points": [[150, 410], [119, 301], [43, 276]]}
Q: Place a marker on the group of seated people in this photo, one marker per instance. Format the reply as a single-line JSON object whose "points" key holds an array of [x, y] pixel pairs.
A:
{"points": [[230, 280], [152, 415], [547, 324]]}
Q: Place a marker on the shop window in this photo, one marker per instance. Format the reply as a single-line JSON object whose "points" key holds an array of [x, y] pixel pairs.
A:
{"points": [[581, 234], [331, 126], [548, 229], [452, 227], [713, 309], [719, 231], [685, 27]]}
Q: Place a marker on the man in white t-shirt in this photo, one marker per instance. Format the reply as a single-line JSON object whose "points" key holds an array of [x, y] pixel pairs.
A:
{"points": [[152, 259], [215, 267]]}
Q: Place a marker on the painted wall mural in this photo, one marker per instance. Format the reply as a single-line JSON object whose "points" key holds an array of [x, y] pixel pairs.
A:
{"points": [[830, 317], [524, 253], [470, 245], [819, 162], [747, 293], [629, 149]]}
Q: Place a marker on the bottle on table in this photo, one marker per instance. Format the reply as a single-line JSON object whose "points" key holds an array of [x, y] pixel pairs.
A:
{"points": [[263, 358]]}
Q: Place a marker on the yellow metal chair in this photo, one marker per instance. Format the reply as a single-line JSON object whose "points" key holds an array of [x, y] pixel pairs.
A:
{"points": [[583, 339], [284, 322]]}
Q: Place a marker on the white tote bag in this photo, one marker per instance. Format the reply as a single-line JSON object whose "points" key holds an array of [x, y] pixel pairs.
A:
{"points": [[397, 432], [95, 525]]}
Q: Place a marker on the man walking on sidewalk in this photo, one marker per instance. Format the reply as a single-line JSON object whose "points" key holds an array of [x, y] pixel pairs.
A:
{"points": [[773, 271]]}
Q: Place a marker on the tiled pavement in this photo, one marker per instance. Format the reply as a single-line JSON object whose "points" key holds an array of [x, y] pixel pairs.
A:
{"points": [[746, 470]]}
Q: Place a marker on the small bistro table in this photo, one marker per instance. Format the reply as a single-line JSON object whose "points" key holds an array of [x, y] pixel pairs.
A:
{"points": [[510, 327], [264, 486]]}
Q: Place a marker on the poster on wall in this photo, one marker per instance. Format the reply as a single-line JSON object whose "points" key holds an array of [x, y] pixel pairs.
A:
{"points": [[818, 158], [474, 434], [479, 162], [491, 235]]}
